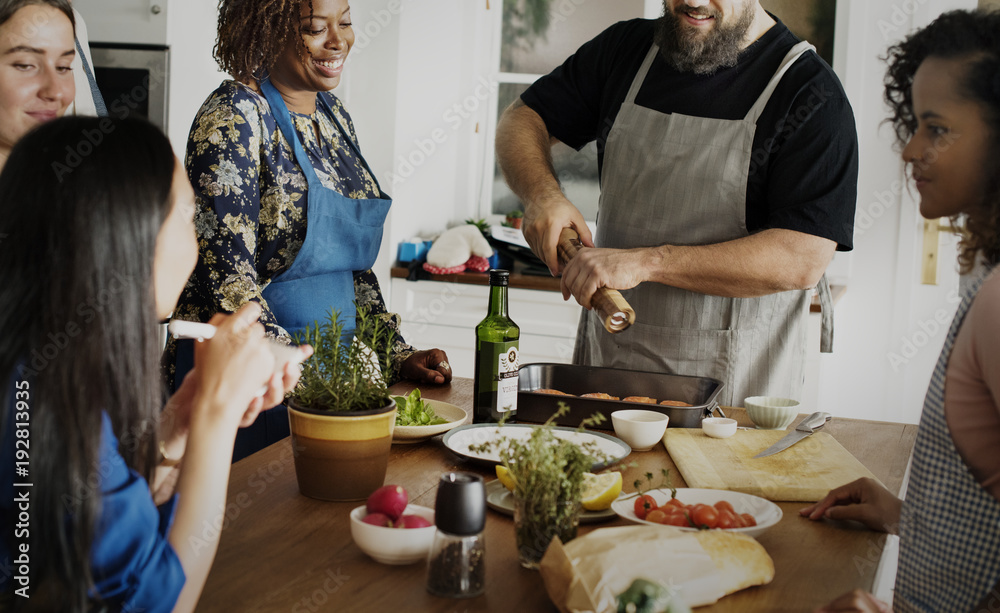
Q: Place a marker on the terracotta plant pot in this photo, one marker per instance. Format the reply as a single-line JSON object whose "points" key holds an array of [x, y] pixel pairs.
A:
{"points": [[341, 456]]}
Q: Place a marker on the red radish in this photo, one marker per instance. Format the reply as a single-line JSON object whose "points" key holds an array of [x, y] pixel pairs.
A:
{"points": [[412, 521], [378, 519], [388, 499]]}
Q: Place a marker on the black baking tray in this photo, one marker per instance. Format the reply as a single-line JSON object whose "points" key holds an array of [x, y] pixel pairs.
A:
{"points": [[700, 392]]}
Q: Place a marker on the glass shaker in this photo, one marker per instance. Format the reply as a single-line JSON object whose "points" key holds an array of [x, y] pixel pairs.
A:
{"points": [[456, 564]]}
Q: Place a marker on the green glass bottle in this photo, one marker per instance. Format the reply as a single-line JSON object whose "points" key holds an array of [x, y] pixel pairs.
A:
{"points": [[495, 384]]}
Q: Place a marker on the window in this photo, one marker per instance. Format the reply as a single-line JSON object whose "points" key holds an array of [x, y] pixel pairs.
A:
{"points": [[532, 37], [811, 20]]}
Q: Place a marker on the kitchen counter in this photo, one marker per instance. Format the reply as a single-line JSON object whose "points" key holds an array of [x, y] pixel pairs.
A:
{"points": [[281, 551]]}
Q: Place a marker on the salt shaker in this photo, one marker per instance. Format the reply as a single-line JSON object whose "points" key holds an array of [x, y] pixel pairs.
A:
{"points": [[456, 564]]}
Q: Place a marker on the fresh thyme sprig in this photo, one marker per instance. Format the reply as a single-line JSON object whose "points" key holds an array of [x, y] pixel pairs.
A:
{"points": [[665, 483]]}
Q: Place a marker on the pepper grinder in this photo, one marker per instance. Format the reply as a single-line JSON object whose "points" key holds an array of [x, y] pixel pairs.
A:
{"points": [[456, 564]]}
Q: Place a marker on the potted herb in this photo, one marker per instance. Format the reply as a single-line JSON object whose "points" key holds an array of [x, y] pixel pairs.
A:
{"points": [[548, 474], [514, 219], [341, 415]]}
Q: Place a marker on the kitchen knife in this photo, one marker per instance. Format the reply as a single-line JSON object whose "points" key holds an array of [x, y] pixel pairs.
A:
{"points": [[806, 427]]}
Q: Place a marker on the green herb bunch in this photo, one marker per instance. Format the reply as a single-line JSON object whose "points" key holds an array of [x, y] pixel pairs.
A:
{"points": [[482, 224], [411, 410], [344, 374], [548, 474]]}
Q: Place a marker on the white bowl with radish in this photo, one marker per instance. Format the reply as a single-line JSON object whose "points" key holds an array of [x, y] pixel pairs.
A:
{"points": [[391, 531]]}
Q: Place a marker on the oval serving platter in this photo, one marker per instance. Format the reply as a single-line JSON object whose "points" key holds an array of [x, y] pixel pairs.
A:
{"points": [[462, 438]]}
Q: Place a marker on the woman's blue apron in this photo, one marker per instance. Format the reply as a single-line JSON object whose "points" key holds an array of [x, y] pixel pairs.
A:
{"points": [[342, 235], [949, 532]]}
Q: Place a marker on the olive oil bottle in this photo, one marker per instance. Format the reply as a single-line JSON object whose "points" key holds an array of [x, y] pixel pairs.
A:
{"points": [[497, 337]]}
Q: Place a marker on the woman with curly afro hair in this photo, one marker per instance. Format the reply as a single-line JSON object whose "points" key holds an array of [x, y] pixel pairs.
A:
{"points": [[289, 214], [943, 87]]}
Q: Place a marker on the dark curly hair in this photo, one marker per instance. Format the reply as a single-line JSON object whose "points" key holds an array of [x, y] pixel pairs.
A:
{"points": [[975, 37], [252, 33]]}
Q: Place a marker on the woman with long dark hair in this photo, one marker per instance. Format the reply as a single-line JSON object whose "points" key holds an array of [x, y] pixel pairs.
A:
{"points": [[943, 87], [94, 252]]}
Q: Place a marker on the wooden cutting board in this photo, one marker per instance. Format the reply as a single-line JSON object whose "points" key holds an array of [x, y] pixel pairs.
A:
{"points": [[805, 472]]}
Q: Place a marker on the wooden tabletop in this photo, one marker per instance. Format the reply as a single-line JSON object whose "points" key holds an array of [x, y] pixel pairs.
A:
{"points": [[281, 551]]}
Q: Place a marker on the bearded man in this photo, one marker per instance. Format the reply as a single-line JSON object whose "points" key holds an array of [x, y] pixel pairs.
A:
{"points": [[728, 159]]}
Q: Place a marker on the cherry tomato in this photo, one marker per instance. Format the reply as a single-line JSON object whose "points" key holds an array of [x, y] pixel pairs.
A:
{"points": [[704, 516], [723, 505], [748, 520], [728, 520], [675, 503], [643, 505], [677, 519], [656, 516]]}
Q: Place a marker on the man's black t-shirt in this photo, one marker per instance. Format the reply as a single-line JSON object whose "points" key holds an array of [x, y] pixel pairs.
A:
{"points": [[804, 171]]}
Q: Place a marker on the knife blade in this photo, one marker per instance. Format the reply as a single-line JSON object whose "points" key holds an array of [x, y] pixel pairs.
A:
{"points": [[806, 427]]}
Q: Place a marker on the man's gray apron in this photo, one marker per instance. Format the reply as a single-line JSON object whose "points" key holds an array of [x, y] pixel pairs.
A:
{"points": [[680, 180], [949, 531]]}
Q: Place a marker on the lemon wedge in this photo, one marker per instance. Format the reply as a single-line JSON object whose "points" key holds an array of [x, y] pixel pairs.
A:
{"points": [[599, 491], [505, 477]]}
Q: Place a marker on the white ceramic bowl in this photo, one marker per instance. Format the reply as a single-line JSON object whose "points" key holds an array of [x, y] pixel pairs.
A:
{"points": [[393, 545], [770, 413], [640, 428], [456, 416], [718, 427]]}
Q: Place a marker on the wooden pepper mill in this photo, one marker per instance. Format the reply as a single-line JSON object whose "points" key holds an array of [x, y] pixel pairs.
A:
{"points": [[614, 309]]}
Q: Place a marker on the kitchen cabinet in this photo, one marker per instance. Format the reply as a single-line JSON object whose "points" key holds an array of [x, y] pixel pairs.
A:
{"points": [[445, 315], [134, 22]]}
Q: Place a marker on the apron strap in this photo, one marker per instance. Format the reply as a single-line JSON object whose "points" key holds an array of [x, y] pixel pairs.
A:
{"points": [[793, 54], [284, 120], [826, 314], [641, 75]]}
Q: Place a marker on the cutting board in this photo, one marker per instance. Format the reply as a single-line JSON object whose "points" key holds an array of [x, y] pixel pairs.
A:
{"points": [[805, 472]]}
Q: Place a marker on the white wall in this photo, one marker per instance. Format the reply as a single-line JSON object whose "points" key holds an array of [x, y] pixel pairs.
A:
{"points": [[191, 27]]}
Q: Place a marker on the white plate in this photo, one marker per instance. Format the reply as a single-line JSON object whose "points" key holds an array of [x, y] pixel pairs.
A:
{"points": [[764, 511], [456, 416], [460, 439], [501, 500]]}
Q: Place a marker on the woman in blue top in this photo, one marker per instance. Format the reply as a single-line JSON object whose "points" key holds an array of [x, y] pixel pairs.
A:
{"points": [[89, 263], [943, 87], [289, 215]]}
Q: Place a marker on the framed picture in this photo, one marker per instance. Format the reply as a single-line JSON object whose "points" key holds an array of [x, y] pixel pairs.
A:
{"points": [[811, 20]]}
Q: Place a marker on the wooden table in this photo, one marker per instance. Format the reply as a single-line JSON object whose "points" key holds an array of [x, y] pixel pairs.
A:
{"points": [[281, 551]]}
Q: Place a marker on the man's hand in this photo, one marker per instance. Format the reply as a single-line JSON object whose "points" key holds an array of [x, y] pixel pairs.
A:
{"points": [[593, 269], [864, 500], [544, 220]]}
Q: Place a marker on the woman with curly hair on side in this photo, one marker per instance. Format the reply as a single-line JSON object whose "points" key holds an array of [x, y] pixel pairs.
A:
{"points": [[943, 86], [289, 213]]}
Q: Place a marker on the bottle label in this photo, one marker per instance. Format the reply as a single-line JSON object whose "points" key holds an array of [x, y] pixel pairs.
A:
{"points": [[507, 365]]}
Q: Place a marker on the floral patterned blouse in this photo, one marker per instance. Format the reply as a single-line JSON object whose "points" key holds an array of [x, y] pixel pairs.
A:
{"points": [[251, 197]]}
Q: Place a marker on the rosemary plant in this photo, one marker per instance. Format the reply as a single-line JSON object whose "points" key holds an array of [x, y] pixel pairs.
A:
{"points": [[345, 374]]}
